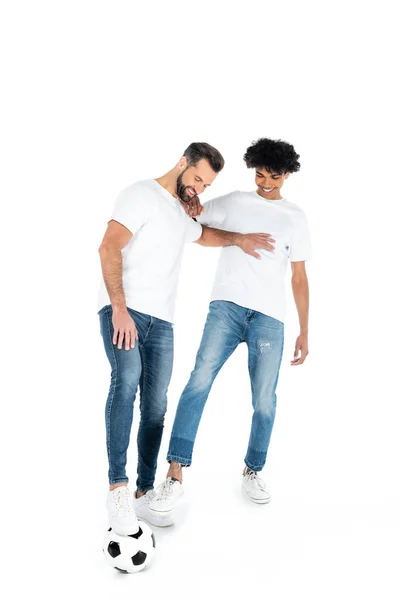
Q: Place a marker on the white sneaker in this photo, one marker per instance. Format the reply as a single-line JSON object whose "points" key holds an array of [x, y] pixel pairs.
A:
{"points": [[165, 496], [120, 511], [255, 487], [143, 511]]}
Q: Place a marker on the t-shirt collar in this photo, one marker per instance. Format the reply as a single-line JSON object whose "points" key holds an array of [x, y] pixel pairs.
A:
{"points": [[266, 199]]}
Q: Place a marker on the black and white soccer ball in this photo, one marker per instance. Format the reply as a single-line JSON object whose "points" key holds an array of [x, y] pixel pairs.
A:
{"points": [[130, 553]]}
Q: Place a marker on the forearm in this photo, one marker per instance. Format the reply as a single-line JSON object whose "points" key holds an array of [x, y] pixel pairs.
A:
{"points": [[214, 238], [111, 266], [301, 298]]}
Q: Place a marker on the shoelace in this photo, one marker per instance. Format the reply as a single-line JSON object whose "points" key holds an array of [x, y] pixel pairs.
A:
{"points": [[166, 488], [122, 499], [253, 476]]}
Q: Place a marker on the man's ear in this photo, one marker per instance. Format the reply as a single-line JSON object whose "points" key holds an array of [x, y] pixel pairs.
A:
{"points": [[182, 164]]}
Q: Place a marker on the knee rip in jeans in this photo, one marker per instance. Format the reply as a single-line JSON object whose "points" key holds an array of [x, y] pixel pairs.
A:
{"points": [[264, 346]]}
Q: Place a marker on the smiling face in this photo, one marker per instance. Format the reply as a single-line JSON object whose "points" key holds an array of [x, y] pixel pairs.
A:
{"points": [[194, 179], [269, 183]]}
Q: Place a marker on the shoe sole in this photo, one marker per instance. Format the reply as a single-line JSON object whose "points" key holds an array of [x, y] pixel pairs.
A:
{"points": [[157, 521], [119, 531], [257, 500], [158, 513]]}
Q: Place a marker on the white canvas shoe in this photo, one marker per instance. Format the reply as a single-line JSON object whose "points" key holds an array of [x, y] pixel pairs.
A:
{"points": [[121, 515], [166, 496], [142, 510], [255, 487]]}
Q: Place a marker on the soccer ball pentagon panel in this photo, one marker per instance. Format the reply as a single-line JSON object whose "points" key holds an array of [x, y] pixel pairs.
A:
{"points": [[129, 553]]}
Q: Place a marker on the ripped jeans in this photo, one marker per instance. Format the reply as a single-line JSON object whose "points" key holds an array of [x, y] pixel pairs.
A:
{"points": [[226, 327]]}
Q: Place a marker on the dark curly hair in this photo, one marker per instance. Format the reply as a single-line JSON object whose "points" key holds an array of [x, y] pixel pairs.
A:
{"points": [[276, 156], [198, 150]]}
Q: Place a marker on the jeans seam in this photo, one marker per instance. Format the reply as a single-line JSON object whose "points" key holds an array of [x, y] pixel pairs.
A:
{"points": [[142, 401], [114, 386], [278, 370], [148, 330], [246, 325], [144, 369]]}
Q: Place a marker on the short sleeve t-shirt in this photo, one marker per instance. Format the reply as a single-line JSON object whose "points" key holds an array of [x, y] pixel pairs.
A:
{"points": [[152, 259], [243, 279]]}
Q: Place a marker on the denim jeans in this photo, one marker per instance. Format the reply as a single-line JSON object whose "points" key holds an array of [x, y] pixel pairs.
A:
{"points": [[149, 366], [226, 327]]}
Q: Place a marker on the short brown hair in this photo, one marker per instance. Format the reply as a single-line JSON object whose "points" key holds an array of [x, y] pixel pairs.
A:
{"points": [[198, 150]]}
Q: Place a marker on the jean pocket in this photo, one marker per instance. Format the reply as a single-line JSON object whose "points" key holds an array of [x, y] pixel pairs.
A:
{"points": [[104, 309]]}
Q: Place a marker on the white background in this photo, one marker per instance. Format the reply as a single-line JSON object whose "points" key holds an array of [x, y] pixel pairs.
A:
{"points": [[99, 94]]}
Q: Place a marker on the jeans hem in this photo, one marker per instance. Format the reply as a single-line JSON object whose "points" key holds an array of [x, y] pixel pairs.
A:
{"points": [[185, 462], [252, 467], [122, 480], [145, 489]]}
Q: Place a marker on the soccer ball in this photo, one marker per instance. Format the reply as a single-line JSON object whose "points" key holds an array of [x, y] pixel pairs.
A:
{"points": [[129, 553]]}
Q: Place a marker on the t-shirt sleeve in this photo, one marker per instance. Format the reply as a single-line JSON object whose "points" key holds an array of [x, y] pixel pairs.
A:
{"points": [[131, 209], [301, 241], [193, 231], [214, 213]]}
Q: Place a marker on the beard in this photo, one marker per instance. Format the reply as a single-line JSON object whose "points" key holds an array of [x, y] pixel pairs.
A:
{"points": [[181, 188]]}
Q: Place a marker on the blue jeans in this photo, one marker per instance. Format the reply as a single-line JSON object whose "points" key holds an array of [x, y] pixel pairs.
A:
{"points": [[226, 327], [149, 366]]}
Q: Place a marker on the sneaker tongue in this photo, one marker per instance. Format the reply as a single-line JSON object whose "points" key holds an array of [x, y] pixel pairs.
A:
{"points": [[123, 497]]}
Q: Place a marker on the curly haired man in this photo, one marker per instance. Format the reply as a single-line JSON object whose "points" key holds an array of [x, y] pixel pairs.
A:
{"points": [[247, 306]]}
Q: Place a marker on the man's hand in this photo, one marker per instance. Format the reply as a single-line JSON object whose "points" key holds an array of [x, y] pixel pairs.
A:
{"points": [[125, 331], [302, 348], [193, 208], [249, 241]]}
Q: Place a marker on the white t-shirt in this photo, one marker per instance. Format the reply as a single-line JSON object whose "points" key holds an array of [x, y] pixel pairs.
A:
{"points": [[243, 279], [152, 259]]}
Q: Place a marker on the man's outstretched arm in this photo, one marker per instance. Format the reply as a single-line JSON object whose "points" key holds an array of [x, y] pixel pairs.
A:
{"points": [[248, 242]]}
